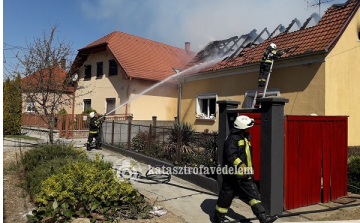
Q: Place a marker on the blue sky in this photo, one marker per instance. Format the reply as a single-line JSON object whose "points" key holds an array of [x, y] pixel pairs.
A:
{"points": [[171, 22]]}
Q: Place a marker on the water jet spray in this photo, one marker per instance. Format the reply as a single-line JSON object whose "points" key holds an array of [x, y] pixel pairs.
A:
{"points": [[189, 70]]}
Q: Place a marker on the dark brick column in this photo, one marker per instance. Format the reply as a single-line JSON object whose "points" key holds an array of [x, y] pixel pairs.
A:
{"points": [[272, 154]]}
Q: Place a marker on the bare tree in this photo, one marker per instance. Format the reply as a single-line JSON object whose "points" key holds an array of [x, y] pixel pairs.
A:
{"points": [[47, 84]]}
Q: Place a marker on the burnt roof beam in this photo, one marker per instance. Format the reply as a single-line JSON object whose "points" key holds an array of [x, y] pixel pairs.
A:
{"points": [[258, 37], [314, 16], [280, 27]]}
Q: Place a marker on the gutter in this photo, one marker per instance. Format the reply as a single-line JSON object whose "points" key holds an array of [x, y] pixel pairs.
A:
{"points": [[317, 56], [179, 104], [127, 92], [179, 97]]}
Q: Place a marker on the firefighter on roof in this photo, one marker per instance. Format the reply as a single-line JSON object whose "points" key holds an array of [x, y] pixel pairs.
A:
{"points": [[266, 62], [238, 153]]}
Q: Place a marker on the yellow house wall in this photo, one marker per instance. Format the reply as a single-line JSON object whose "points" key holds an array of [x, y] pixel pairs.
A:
{"points": [[99, 89], [343, 78], [303, 85], [160, 102]]}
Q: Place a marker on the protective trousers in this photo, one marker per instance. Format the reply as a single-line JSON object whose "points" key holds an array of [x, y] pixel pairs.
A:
{"points": [[97, 139], [264, 72], [232, 186]]}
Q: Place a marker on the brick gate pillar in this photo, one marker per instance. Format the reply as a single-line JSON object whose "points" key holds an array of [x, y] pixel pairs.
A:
{"points": [[272, 154]]}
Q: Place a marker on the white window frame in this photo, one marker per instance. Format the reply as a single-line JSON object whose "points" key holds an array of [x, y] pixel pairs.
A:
{"points": [[84, 103], [30, 107], [199, 98], [249, 96], [106, 104]]}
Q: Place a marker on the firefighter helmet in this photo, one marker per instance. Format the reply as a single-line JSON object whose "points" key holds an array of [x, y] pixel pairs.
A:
{"points": [[273, 46], [243, 122], [92, 114]]}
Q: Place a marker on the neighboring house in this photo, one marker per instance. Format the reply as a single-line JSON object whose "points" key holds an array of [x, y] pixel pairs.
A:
{"points": [[320, 74], [50, 84], [119, 67]]}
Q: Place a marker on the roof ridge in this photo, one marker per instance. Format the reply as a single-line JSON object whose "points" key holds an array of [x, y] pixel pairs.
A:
{"points": [[346, 23], [340, 5], [315, 39], [111, 35], [150, 40]]}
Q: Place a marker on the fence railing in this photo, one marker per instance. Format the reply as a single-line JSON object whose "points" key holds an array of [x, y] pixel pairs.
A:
{"points": [[34, 120], [164, 143], [69, 126]]}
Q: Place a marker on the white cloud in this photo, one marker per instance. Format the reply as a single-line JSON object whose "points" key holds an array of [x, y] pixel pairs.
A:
{"points": [[196, 21]]}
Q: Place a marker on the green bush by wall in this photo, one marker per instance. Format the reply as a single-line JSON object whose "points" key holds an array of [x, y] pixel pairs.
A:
{"points": [[67, 185], [12, 106], [354, 173]]}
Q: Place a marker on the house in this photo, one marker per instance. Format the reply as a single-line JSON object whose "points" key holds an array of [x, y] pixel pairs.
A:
{"points": [[319, 75], [117, 73], [51, 83]]}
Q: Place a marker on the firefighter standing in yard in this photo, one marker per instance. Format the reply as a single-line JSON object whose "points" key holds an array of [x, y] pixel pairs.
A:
{"points": [[94, 130], [238, 153], [265, 65]]}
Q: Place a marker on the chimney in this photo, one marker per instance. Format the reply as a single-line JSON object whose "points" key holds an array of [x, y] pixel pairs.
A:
{"points": [[63, 64], [187, 46]]}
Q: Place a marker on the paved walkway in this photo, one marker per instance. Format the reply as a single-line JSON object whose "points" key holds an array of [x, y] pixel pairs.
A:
{"points": [[187, 200]]}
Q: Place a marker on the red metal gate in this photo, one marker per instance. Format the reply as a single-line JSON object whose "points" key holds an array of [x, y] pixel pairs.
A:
{"points": [[315, 159], [255, 143]]}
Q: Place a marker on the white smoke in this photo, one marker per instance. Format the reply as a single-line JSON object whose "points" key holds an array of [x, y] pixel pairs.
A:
{"points": [[197, 21]]}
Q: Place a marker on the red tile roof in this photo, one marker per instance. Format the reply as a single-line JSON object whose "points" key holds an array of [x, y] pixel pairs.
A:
{"points": [[142, 58], [319, 38], [42, 79]]}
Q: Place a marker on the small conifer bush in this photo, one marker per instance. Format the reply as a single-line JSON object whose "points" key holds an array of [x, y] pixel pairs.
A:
{"points": [[354, 174]]}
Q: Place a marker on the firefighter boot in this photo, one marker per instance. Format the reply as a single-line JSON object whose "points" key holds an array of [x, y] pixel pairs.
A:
{"points": [[219, 217], [88, 147], [98, 145], [266, 219]]}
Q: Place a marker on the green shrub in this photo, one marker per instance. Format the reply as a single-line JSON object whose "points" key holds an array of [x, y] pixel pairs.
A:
{"points": [[88, 189], [354, 173], [187, 134], [140, 141], [156, 151], [45, 169], [12, 104], [62, 112], [36, 156]]}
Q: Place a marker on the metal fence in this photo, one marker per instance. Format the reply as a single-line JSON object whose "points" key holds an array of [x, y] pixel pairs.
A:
{"points": [[176, 146]]}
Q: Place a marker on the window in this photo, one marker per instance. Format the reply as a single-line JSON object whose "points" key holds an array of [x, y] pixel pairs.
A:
{"points": [[87, 104], [249, 96], [30, 107], [206, 106], [112, 67], [99, 69], [110, 106], [87, 72]]}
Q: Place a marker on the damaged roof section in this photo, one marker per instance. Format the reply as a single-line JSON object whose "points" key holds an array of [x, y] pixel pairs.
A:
{"points": [[227, 48], [249, 48]]}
